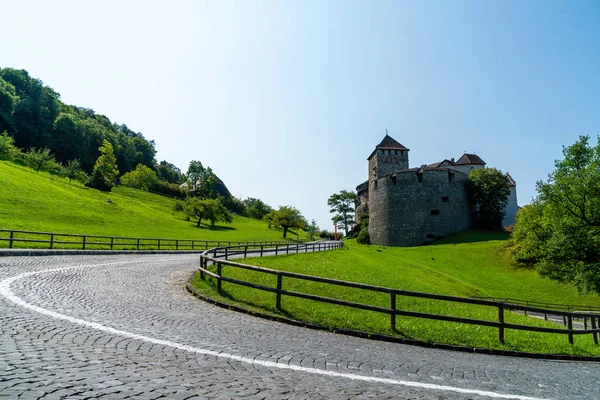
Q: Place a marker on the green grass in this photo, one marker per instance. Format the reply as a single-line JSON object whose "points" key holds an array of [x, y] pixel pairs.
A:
{"points": [[477, 265], [43, 202]]}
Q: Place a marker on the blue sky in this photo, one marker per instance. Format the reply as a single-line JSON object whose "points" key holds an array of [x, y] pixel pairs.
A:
{"points": [[286, 99]]}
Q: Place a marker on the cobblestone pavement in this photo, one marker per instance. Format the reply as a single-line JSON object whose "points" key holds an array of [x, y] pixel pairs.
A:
{"points": [[123, 327]]}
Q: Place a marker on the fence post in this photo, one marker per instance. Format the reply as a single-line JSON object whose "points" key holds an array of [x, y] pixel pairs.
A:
{"points": [[245, 251], [226, 252], [112, 240], [52, 241], [276, 248], [570, 327], [393, 310], [297, 248], [287, 248], [138, 244], [219, 279], [83, 243], [176, 244], [278, 295], [201, 267], [585, 323], [261, 250], [12, 237], [159, 244], [594, 335], [501, 321]]}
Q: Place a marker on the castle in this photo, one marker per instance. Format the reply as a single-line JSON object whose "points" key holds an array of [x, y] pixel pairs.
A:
{"points": [[412, 206]]}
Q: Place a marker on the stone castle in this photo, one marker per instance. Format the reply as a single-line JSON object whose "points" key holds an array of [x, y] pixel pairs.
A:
{"points": [[412, 206]]}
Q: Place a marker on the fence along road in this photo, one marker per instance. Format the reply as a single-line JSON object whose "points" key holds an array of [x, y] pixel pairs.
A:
{"points": [[124, 327]]}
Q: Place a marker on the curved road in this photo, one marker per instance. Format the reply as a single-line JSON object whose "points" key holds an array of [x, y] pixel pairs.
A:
{"points": [[124, 327]]}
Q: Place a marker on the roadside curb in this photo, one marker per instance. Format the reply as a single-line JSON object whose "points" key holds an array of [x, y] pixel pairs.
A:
{"points": [[66, 252], [387, 338]]}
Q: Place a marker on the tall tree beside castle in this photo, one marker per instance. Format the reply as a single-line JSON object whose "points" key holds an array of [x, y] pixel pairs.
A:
{"points": [[559, 232], [343, 205]]}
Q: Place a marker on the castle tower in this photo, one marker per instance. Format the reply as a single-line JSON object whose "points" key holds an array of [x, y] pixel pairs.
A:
{"points": [[388, 156]]}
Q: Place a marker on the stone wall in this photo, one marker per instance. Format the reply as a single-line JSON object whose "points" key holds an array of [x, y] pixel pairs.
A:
{"points": [[405, 210], [384, 162]]}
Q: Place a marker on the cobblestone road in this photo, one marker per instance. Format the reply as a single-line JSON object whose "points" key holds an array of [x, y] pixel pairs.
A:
{"points": [[121, 327]]}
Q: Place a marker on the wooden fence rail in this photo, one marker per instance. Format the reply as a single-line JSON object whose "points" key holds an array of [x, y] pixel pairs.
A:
{"points": [[78, 241], [219, 257]]}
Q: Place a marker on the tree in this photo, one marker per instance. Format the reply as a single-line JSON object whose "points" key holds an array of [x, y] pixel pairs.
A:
{"points": [[286, 217], [210, 209], [170, 173], [73, 171], [488, 190], [343, 204], [256, 208], [201, 180], [559, 232], [8, 150], [40, 159], [105, 169], [312, 229], [142, 178]]}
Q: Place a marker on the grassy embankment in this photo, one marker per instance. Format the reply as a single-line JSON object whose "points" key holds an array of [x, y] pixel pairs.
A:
{"points": [[477, 265], [43, 202]]}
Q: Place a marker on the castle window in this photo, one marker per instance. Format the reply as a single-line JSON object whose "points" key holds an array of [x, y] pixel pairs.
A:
{"points": [[393, 178], [419, 177], [445, 199], [375, 184], [450, 176], [435, 212]]}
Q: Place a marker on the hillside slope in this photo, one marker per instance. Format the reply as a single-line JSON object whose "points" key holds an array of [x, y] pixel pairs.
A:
{"points": [[43, 202]]}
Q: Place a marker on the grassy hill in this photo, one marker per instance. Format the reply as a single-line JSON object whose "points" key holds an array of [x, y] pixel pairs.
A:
{"points": [[43, 202], [465, 264]]}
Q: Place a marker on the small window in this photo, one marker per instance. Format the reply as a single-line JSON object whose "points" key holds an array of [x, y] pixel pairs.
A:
{"points": [[435, 212], [430, 236], [445, 199], [450, 176], [393, 177], [419, 177], [375, 184]]}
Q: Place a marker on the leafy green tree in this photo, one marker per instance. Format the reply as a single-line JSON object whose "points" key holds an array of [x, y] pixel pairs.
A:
{"points": [[312, 229], [559, 232], [211, 209], [73, 171], [286, 217], [40, 159], [488, 190], [256, 208], [8, 150], [201, 180], [105, 169], [170, 173], [142, 178], [343, 205]]}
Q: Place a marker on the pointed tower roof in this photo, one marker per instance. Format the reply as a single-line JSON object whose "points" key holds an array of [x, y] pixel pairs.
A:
{"points": [[388, 143]]}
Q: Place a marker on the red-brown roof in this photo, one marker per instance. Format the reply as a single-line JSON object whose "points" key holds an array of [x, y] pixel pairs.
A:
{"points": [[470, 159], [388, 143]]}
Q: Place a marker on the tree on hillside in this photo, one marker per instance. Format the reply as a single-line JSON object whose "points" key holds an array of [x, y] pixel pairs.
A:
{"points": [[170, 173], [8, 150], [343, 205], [142, 178], [73, 171], [488, 190], [105, 169], [256, 208], [40, 159], [312, 229], [286, 217], [211, 209], [201, 180], [559, 232]]}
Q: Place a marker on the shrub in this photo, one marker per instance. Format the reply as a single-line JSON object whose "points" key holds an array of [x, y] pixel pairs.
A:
{"points": [[8, 150], [363, 237]]}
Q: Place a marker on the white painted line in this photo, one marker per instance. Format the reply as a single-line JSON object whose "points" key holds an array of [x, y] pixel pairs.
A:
{"points": [[6, 291]]}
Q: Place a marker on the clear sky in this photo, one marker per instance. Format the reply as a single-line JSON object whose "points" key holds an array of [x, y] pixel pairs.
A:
{"points": [[286, 99]]}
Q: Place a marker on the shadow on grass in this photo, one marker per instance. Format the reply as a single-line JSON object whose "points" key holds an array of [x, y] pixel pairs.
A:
{"points": [[215, 228], [472, 236]]}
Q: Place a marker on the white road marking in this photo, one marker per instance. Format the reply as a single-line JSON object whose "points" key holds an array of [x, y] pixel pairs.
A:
{"points": [[6, 291]]}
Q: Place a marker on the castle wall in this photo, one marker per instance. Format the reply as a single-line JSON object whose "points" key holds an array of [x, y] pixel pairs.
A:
{"points": [[384, 162], [400, 212], [511, 208]]}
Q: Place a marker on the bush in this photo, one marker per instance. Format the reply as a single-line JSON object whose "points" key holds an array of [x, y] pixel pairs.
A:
{"points": [[168, 189], [98, 181], [363, 237], [8, 150]]}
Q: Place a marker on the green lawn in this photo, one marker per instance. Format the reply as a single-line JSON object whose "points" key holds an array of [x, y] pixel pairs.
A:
{"points": [[477, 265], [43, 202]]}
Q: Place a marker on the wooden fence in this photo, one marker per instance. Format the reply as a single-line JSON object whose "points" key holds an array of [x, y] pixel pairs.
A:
{"points": [[218, 258], [77, 241]]}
